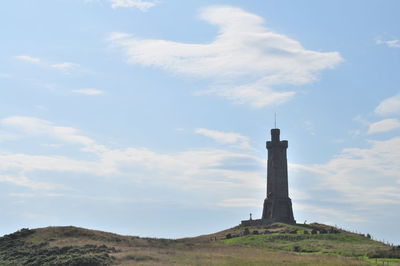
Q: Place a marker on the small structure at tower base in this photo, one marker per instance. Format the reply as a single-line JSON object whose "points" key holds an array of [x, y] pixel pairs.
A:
{"points": [[277, 205]]}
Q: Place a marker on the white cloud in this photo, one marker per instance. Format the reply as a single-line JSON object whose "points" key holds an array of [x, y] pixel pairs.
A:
{"points": [[240, 202], [6, 136], [32, 125], [391, 43], [26, 182], [88, 91], [139, 4], [207, 168], [383, 126], [65, 66], [390, 105], [118, 35], [225, 137], [29, 59], [60, 66], [347, 215], [366, 177], [245, 61]]}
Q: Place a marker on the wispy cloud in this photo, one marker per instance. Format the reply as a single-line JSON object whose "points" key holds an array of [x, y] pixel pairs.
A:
{"points": [[235, 139], [66, 66], [206, 168], [388, 106], [324, 211], [88, 91], [22, 180], [29, 59], [240, 202], [32, 125], [246, 61], [139, 4], [395, 43], [364, 176], [384, 126]]}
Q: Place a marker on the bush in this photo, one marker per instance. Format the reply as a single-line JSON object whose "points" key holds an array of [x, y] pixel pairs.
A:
{"points": [[333, 231], [296, 248], [323, 231], [139, 257], [392, 253]]}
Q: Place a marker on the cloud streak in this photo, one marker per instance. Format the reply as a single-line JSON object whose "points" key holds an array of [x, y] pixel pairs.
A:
{"points": [[29, 59], [235, 139], [245, 62], [389, 106], [364, 176], [206, 168], [390, 43], [90, 92], [384, 126], [139, 4], [65, 66]]}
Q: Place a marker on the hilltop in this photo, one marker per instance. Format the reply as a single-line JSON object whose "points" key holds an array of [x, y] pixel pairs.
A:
{"points": [[276, 244]]}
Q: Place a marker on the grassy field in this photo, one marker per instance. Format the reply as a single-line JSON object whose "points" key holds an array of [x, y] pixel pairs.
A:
{"points": [[277, 244]]}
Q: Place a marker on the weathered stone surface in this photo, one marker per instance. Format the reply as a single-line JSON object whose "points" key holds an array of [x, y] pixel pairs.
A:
{"points": [[277, 205]]}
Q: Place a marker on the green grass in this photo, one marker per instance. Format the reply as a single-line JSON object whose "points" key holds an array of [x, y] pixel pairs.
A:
{"points": [[385, 260], [339, 243]]}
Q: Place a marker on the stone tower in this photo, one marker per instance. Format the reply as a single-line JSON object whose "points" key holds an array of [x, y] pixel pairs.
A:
{"points": [[277, 205]]}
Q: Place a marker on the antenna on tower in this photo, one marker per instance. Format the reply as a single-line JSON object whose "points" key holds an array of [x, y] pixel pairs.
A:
{"points": [[275, 119]]}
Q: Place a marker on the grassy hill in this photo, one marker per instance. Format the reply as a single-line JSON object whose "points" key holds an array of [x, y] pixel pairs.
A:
{"points": [[277, 244]]}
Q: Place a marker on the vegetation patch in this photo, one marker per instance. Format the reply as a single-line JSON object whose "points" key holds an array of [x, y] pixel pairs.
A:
{"points": [[392, 253], [314, 238], [15, 251], [139, 257]]}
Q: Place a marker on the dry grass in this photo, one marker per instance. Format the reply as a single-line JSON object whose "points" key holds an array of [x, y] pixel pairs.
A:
{"points": [[202, 250], [220, 254]]}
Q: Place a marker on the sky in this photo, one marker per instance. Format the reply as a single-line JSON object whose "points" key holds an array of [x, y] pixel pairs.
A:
{"points": [[150, 118]]}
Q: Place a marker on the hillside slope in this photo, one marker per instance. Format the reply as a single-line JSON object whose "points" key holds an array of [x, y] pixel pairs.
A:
{"points": [[277, 244]]}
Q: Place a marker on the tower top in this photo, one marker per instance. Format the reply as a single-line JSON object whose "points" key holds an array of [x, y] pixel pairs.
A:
{"points": [[275, 132]]}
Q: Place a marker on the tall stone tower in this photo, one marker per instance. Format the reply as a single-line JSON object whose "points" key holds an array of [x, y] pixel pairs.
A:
{"points": [[277, 205]]}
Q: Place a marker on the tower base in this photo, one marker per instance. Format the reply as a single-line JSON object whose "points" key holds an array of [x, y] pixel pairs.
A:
{"points": [[278, 210]]}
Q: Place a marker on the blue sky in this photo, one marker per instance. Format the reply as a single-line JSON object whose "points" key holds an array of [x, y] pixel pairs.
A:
{"points": [[150, 117]]}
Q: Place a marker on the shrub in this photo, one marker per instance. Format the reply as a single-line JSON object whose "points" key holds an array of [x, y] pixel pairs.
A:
{"points": [[296, 248], [393, 253]]}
